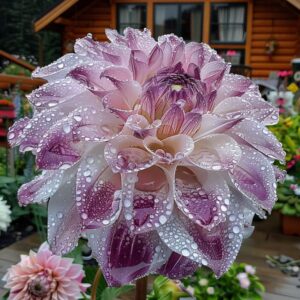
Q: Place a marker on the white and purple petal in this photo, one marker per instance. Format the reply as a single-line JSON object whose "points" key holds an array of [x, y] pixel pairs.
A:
{"points": [[254, 176]]}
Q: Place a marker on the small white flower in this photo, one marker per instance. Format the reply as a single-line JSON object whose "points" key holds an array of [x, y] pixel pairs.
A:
{"points": [[297, 191], [203, 282], [250, 269], [210, 290], [245, 283], [289, 177], [190, 290], [241, 276], [5, 212], [244, 280], [296, 269]]}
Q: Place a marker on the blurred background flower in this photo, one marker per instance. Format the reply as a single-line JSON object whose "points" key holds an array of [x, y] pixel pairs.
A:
{"points": [[5, 213]]}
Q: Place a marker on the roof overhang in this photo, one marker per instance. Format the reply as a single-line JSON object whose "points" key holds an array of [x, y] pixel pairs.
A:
{"points": [[295, 3], [53, 14]]}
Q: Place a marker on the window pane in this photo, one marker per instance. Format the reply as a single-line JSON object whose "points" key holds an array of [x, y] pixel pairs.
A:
{"points": [[166, 19], [184, 20], [131, 15], [191, 22], [228, 23]]}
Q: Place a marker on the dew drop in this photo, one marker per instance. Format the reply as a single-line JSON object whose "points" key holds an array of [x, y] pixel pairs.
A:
{"points": [[236, 229], [67, 128], [162, 219], [185, 252], [11, 135], [84, 216]]}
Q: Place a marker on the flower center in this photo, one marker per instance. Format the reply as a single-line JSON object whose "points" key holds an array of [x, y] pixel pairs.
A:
{"points": [[41, 286], [168, 87]]}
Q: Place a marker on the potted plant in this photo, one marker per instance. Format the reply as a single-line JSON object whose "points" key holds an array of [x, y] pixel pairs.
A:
{"points": [[289, 205], [240, 282]]}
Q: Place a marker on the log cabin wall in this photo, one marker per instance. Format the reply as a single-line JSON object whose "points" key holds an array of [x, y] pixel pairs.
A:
{"points": [[267, 21], [94, 18], [273, 21]]}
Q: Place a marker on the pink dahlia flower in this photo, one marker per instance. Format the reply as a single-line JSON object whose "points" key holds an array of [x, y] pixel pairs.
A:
{"points": [[153, 150], [43, 275]]}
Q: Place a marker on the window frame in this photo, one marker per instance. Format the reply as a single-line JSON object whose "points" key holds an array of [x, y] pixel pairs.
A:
{"points": [[118, 4], [206, 28], [231, 4], [179, 4]]}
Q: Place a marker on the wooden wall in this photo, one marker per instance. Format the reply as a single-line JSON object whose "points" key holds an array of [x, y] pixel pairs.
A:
{"points": [[273, 20], [94, 18]]}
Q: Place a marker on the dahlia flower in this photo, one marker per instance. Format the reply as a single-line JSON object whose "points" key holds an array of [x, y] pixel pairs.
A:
{"points": [[152, 150], [43, 275], [5, 213]]}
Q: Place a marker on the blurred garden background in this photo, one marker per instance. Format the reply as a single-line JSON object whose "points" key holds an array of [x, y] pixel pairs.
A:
{"points": [[260, 38]]}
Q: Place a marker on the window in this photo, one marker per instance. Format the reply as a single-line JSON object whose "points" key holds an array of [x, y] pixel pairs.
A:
{"points": [[228, 23], [184, 20], [131, 15]]}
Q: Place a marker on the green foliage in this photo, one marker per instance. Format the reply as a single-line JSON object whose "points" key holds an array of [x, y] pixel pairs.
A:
{"points": [[13, 69], [17, 35], [110, 293], [288, 202], [9, 187], [166, 289], [288, 133], [227, 287]]}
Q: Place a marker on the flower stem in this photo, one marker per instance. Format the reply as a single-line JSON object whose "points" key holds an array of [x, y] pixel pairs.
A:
{"points": [[96, 284], [141, 289]]}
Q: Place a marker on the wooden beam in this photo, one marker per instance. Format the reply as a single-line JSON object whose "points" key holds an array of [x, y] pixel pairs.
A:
{"points": [[52, 15], [249, 32], [206, 22], [150, 16], [17, 61], [14, 79], [63, 21]]}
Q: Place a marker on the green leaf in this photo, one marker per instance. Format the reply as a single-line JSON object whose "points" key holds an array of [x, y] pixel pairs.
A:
{"points": [[76, 254], [5, 296], [110, 293], [259, 286], [288, 210]]}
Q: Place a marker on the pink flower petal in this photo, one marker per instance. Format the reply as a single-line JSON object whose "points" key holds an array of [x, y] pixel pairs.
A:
{"points": [[60, 68], [125, 256], [202, 196], [64, 222], [216, 152], [41, 187], [259, 137], [178, 266], [191, 123], [171, 122], [254, 177], [15, 133], [53, 93], [216, 248], [148, 199], [173, 148], [212, 124], [97, 191], [126, 154]]}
